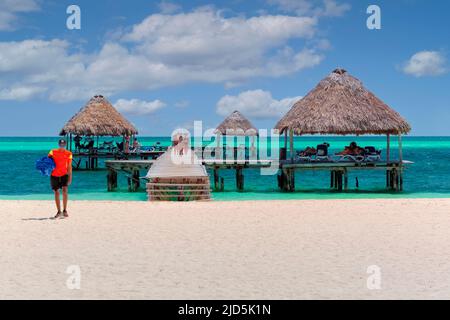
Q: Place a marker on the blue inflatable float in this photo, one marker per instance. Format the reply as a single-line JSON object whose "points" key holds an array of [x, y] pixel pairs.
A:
{"points": [[45, 166]]}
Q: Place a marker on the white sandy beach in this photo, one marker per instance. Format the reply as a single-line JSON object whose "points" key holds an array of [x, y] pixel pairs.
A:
{"points": [[224, 250]]}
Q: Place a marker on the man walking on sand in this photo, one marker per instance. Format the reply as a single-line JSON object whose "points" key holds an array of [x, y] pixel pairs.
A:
{"points": [[61, 177]]}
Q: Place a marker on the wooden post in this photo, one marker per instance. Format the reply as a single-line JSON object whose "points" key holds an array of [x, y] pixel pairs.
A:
{"points": [[284, 180], [219, 151], [289, 180], [339, 175], [112, 179], [293, 180], [332, 179], [395, 180], [391, 179], [291, 144], [401, 179], [285, 139], [336, 180], [239, 179], [216, 179], [345, 180], [400, 149], [388, 180], [388, 148], [136, 179], [92, 160], [133, 181]]}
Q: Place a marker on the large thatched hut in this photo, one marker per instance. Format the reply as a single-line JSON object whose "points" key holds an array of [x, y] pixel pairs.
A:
{"points": [[341, 105], [98, 118]]}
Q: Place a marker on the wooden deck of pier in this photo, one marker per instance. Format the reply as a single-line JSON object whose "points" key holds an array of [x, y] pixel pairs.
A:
{"points": [[89, 160]]}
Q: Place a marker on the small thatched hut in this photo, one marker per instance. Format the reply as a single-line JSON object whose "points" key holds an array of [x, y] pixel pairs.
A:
{"points": [[98, 118], [341, 105], [236, 125]]}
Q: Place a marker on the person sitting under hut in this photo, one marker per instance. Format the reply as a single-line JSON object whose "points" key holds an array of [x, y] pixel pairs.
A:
{"points": [[309, 151], [136, 145], [353, 149]]}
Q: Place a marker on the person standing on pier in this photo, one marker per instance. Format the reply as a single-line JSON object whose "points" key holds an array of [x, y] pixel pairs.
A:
{"points": [[61, 177]]}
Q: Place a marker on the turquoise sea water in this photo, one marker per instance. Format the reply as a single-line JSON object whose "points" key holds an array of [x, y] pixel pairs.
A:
{"points": [[429, 176]]}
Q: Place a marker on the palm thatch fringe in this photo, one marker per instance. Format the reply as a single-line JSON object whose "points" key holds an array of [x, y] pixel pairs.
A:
{"points": [[99, 118], [341, 105]]}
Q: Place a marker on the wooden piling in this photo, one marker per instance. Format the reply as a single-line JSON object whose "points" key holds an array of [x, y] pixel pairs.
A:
{"points": [[216, 179], [395, 180], [345, 180], [400, 179], [339, 175], [289, 180], [286, 180], [133, 181], [338, 180], [239, 179], [332, 179], [222, 184], [388, 180], [112, 180]]}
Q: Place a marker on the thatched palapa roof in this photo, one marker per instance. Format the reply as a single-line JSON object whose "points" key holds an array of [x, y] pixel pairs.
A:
{"points": [[236, 125], [340, 104], [99, 118]]}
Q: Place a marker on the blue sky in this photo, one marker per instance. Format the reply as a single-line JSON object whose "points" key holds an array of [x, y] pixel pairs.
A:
{"points": [[165, 64]]}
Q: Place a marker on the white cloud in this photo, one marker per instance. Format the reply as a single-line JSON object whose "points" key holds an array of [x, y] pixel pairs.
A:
{"points": [[325, 8], [426, 63], [334, 9], [9, 10], [138, 107], [163, 50], [167, 7], [182, 104], [204, 37], [20, 93], [255, 104]]}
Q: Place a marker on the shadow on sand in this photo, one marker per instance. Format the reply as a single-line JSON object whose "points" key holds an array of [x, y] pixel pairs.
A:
{"points": [[38, 219]]}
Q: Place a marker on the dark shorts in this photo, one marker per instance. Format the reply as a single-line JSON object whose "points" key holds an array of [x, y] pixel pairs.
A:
{"points": [[59, 182]]}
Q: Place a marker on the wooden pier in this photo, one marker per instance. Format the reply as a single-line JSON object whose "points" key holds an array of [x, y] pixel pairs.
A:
{"points": [[286, 179], [133, 167], [339, 173]]}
